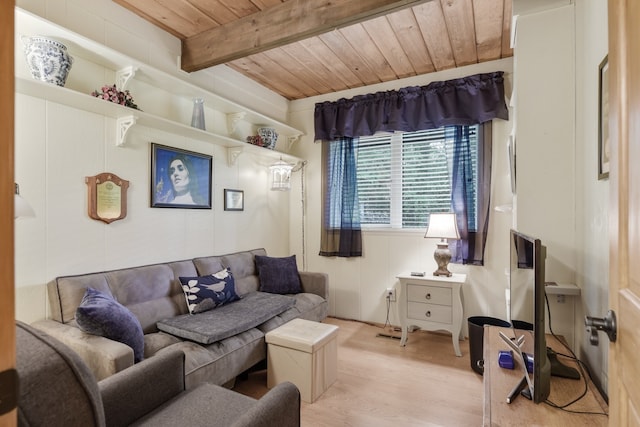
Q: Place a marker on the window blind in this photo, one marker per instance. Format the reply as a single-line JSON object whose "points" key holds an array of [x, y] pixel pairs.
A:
{"points": [[403, 177]]}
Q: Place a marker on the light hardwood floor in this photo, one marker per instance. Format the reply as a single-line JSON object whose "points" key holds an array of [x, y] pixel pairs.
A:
{"points": [[382, 384]]}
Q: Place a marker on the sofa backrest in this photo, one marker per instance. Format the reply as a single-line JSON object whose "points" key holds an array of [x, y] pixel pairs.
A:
{"points": [[241, 264], [56, 387], [151, 292]]}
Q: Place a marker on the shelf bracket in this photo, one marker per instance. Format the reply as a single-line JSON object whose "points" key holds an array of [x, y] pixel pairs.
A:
{"points": [[232, 155], [123, 124], [293, 139], [232, 121], [124, 75]]}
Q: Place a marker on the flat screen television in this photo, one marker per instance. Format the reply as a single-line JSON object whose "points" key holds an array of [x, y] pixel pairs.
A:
{"points": [[527, 306]]}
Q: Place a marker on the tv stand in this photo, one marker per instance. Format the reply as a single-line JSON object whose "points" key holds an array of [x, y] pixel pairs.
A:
{"points": [[559, 369], [498, 382]]}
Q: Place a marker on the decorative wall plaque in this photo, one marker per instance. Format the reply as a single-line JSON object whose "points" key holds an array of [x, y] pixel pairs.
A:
{"points": [[107, 197]]}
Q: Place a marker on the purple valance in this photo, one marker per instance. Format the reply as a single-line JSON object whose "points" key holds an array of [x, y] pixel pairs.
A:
{"points": [[466, 101]]}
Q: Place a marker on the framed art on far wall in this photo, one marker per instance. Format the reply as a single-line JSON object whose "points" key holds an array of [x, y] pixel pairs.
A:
{"points": [[233, 200], [180, 178], [603, 119]]}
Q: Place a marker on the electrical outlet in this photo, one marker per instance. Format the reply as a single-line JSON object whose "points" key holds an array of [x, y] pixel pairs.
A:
{"points": [[390, 294]]}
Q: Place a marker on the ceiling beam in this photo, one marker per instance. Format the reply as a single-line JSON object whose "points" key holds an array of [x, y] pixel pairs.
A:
{"points": [[280, 25]]}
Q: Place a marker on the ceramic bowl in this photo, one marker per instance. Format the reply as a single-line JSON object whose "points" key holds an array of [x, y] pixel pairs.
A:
{"points": [[48, 59]]}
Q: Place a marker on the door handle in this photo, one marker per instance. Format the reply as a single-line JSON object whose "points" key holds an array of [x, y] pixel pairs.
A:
{"points": [[607, 324]]}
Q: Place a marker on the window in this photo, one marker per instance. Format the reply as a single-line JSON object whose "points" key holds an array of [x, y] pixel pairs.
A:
{"points": [[402, 177]]}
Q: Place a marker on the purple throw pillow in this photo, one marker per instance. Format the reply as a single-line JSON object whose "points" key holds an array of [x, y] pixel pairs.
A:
{"points": [[278, 275]]}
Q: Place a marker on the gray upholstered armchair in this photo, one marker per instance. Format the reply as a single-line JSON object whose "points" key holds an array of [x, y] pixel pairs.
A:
{"points": [[58, 389]]}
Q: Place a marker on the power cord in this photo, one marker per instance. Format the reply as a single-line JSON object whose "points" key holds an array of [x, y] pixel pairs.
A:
{"points": [[581, 366]]}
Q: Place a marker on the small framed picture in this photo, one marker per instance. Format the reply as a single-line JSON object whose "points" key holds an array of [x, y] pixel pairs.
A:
{"points": [[180, 178], [233, 200], [603, 119]]}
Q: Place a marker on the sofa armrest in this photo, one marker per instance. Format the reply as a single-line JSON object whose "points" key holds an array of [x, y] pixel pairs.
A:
{"points": [[140, 389], [315, 283], [279, 407], [104, 357]]}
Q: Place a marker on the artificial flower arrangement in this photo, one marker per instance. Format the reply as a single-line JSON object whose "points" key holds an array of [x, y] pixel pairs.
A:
{"points": [[111, 93]]}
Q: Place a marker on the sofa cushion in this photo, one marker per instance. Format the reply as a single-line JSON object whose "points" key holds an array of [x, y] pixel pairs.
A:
{"points": [[207, 292], [278, 275], [99, 314], [227, 320]]}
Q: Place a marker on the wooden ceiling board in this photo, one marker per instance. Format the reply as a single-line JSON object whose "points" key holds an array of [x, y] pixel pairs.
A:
{"points": [[507, 51], [240, 8], [384, 37], [315, 69], [434, 31], [350, 57], [361, 42], [409, 37], [261, 68], [216, 10], [278, 25], [458, 16], [396, 38], [488, 18], [178, 17], [296, 73], [263, 4], [338, 69]]}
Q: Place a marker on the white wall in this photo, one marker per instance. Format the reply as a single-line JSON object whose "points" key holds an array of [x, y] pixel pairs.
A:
{"points": [[561, 199], [58, 146], [592, 196], [358, 285]]}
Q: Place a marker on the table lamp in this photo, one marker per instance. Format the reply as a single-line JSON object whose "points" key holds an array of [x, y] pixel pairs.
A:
{"points": [[442, 226]]}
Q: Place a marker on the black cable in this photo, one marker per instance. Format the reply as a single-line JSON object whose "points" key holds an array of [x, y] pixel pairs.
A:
{"points": [[580, 364]]}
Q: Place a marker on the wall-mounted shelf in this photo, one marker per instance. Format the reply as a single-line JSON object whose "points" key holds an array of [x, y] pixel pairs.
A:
{"points": [[127, 70]]}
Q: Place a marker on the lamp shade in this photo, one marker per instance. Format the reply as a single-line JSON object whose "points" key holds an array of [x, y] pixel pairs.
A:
{"points": [[442, 226], [280, 176]]}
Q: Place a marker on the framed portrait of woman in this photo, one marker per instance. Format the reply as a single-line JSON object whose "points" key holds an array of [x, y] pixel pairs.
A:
{"points": [[180, 178]]}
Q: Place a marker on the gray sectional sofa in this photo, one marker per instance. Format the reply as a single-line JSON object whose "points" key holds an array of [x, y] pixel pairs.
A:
{"points": [[153, 293]]}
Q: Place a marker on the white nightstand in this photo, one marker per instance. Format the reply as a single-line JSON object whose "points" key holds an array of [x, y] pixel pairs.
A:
{"points": [[432, 303]]}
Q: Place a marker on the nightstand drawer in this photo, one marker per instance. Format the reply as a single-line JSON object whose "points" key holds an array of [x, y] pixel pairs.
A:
{"points": [[429, 312], [429, 294]]}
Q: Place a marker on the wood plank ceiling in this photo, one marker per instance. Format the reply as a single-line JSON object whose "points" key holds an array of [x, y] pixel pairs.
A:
{"points": [[426, 37]]}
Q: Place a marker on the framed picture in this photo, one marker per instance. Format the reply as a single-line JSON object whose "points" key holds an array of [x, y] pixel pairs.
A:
{"points": [[233, 200], [603, 119], [180, 178]]}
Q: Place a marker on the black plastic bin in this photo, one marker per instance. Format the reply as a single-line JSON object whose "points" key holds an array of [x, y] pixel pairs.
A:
{"points": [[476, 339]]}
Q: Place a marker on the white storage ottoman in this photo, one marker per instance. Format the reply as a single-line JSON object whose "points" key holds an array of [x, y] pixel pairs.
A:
{"points": [[304, 353]]}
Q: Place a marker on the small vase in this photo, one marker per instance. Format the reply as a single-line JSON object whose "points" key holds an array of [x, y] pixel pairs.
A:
{"points": [[197, 118], [48, 59], [269, 137]]}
